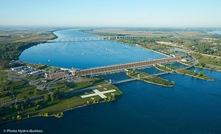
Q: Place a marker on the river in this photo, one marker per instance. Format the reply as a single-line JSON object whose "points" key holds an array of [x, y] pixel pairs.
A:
{"points": [[192, 106], [84, 54]]}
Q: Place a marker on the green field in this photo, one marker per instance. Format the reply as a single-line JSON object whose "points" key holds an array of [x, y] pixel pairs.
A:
{"points": [[55, 107], [26, 35], [18, 88], [154, 32], [66, 86], [208, 62]]}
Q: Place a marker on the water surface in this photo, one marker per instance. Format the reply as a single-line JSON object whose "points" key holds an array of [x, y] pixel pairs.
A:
{"points": [[84, 54], [192, 106]]}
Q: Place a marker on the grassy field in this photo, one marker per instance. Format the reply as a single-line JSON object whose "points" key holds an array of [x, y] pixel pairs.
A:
{"points": [[18, 88], [42, 108], [146, 33], [170, 66], [33, 77], [162, 68], [210, 62], [66, 86], [26, 35], [2, 72]]}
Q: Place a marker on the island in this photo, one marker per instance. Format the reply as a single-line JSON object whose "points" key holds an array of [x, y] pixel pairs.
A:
{"points": [[154, 79]]}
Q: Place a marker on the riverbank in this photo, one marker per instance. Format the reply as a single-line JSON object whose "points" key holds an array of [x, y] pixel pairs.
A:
{"points": [[200, 75], [47, 107], [58, 115], [13, 49], [153, 50]]}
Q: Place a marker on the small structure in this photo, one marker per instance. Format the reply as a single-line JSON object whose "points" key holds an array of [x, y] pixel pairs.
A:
{"points": [[34, 72], [17, 68], [96, 92], [184, 60], [56, 75]]}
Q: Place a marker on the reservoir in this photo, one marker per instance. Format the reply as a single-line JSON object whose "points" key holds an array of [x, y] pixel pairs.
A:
{"points": [[84, 54], [192, 106]]}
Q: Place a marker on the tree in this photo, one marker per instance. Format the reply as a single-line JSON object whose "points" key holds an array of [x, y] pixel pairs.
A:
{"points": [[201, 74], [194, 72], [202, 65], [46, 98], [22, 107], [25, 98], [16, 106], [55, 95], [35, 91], [3, 105], [18, 117], [37, 107], [46, 114], [36, 102]]}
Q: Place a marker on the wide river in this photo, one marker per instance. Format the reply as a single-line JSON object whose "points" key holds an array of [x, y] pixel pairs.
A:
{"points": [[84, 54], [192, 106]]}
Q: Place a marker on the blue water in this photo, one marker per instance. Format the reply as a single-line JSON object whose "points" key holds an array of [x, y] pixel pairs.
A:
{"points": [[84, 54], [215, 32], [192, 106]]}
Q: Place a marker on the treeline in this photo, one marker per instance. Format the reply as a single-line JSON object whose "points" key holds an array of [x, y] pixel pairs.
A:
{"points": [[11, 51]]}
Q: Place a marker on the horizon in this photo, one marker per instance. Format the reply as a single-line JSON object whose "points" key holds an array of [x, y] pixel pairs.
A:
{"points": [[97, 13], [105, 27]]}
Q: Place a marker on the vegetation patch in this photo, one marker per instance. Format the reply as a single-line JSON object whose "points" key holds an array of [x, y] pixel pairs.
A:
{"points": [[53, 104], [162, 68], [150, 78], [199, 75]]}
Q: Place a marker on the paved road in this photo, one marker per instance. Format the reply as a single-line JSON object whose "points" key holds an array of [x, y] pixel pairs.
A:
{"points": [[51, 83], [8, 103]]}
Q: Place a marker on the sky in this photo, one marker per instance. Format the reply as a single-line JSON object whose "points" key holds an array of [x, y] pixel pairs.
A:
{"points": [[111, 13]]}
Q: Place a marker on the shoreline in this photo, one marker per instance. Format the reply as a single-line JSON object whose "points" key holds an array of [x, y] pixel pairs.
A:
{"points": [[157, 84], [66, 110], [153, 51], [196, 77], [187, 75], [207, 69], [151, 82], [38, 42]]}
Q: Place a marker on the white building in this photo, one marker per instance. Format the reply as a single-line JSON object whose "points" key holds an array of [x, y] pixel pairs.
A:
{"points": [[17, 68]]}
